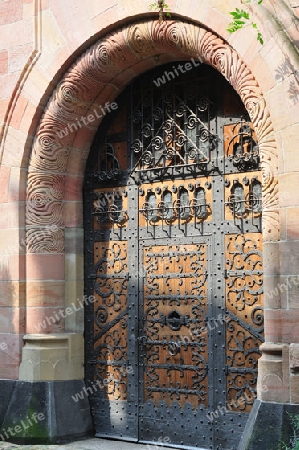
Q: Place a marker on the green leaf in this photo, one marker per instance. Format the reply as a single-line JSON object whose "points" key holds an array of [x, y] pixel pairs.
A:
{"points": [[233, 26], [239, 17], [245, 15], [238, 14], [260, 38]]}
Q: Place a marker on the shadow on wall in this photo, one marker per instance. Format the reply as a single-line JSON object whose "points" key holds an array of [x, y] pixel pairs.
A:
{"points": [[10, 342], [12, 323], [286, 70]]}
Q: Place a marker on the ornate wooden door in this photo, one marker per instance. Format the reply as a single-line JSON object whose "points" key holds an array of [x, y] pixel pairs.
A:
{"points": [[173, 264]]}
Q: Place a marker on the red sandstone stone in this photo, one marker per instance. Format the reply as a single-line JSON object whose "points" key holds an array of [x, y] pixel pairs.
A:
{"points": [[106, 17], [3, 62], [271, 258], [65, 17], [18, 56], [17, 185], [10, 11], [45, 267], [74, 241], [73, 214], [273, 326], [18, 320], [3, 108], [12, 293], [45, 320], [30, 119], [73, 188], [9, 217], [5, 319], [10, 355], [293, 294], [4, 178], [275, 292], [294, 388], [289, 326], [18, 112], [292, 215], [44, 4], [45, 293], [289, 257], [9, 371], [16, 264]]}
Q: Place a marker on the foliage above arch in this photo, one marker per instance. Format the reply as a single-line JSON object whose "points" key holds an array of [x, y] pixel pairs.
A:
{"points": [[241, 18], [161, 6]]}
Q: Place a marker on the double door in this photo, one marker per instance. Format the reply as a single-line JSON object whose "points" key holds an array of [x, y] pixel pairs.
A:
{"points": [[174, 267]]}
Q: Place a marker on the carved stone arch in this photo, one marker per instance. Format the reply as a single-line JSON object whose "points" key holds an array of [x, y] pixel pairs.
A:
{"points": [[99, 75]]}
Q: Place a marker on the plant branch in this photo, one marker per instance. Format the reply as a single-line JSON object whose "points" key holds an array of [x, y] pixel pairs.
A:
{"points": [[241, 18], [161, 6]]}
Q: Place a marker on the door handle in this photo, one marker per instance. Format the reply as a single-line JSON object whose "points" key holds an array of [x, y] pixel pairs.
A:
{"points": [[174, 347]]}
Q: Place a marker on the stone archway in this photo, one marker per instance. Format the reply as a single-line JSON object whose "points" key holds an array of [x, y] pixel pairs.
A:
{"points": [[98, 76], [58, 157]]}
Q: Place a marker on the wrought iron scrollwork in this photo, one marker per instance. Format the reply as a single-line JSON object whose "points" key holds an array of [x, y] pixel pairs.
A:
{"points": [[108, 164], [199, 205], [242, 366], [244, 273], [185, 289], [183, 204], [110, 318], [243, 204], [244, 288], [108, 207], [166, 207], [243, 150], [254, 198], [187, 204], [157, 257], [171, 136], [236, 201]]}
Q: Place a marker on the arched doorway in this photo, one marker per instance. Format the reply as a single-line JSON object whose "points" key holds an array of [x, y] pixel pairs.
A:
{"points": [[173, 260]]}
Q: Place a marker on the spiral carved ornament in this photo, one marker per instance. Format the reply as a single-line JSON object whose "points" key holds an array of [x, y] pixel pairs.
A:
{"points": [[101, 73]]}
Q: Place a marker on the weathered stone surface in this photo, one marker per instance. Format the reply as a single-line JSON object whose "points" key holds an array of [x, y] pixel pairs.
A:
{"points": [[37, 408], [268, 425]]}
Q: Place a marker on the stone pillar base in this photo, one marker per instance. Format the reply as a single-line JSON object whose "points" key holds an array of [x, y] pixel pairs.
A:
{"points": [[267, 426], [44, 412], [52, 357]]}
